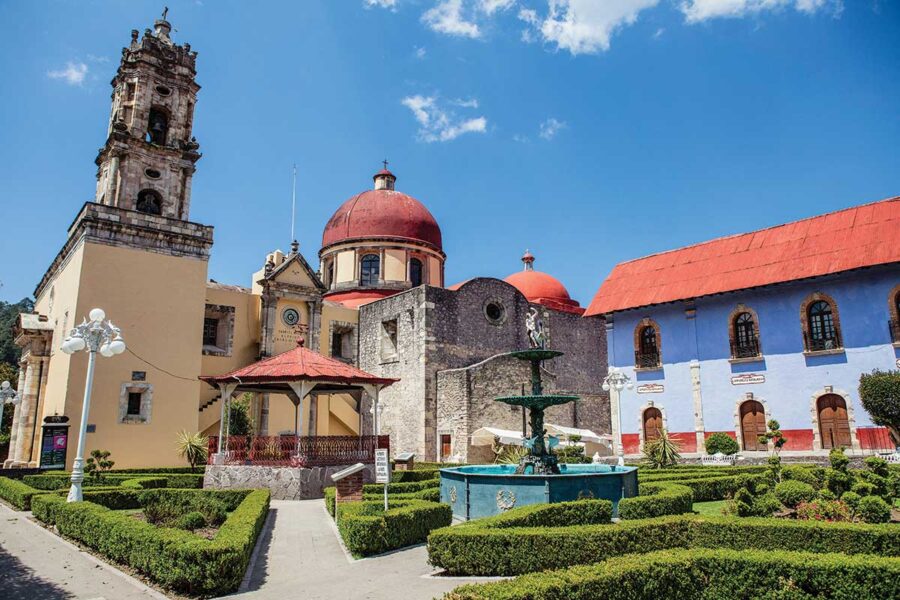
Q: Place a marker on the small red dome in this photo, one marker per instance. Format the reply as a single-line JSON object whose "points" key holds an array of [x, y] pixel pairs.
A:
{"points": [[382, 213], [537, 286]]}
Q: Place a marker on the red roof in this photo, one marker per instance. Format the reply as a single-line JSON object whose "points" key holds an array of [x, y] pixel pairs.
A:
{"points": [[299, 364], [355, 299], [862, 236], [541, 288], [379, 214]]}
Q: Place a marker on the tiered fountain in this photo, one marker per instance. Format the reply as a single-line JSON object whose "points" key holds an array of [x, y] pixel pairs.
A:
{"points": [[483, 490]]}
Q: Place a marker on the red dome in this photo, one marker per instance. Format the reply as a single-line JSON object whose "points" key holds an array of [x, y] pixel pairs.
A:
{"points": [[382, 213], [545, 289]]}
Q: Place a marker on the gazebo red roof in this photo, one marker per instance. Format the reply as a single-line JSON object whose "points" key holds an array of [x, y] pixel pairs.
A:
{"points": [[854, 238], [299, 364]]}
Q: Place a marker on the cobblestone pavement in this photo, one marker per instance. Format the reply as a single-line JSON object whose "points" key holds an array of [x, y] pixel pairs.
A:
{"points": [[36, 564]]}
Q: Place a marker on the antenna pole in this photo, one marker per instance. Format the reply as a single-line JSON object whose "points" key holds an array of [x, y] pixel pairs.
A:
{"points": [[293, 201]]}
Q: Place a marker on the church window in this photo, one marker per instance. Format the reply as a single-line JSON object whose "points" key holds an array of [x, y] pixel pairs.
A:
{"points": [[210, 331], [646, 345], [389, 340], [163, 90], [129, 91], [343, 341], [135, 402], [894, 310], [152, 173], [218, 330], [157, 127], [822, 333], [494, 312], [150, 202], [290, 316], [415, 272], [368, 269]]}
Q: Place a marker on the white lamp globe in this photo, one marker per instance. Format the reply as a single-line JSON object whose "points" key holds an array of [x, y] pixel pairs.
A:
{"points": [[106, 351], [77, 343], [630, 385], [117, 346], [605, 386], [97, 314]]}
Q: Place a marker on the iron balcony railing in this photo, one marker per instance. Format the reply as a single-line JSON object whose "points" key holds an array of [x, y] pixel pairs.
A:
{"points": [[646, 360], [894, 326], [822, 344], [303, 451], [745, 349]]}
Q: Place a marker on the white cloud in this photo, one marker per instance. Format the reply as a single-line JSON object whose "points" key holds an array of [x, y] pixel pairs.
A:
{"points": [[550, 128], [659, 33], [389, 4], [696, 11], [470, 103], [420, 52], [73, 74], [489, 7], [446, 17], [583, 26], [437, 124]]}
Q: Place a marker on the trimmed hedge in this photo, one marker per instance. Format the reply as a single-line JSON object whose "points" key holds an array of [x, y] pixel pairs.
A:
{"points": [[720, 488], [431, 494], [656, 500], [145, 483], [17, 493], [58, 481], [368, 529], [703, 574], [173, 558], [407, 476], [477, 548]]}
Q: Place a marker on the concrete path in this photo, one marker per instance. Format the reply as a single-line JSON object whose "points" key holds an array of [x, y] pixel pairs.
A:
{"points": [[300, 557], [36, 564]]}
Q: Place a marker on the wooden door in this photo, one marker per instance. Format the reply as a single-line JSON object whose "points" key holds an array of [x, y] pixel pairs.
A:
{"points": [[753, 425], [445, 446], [653, 424], [834, 426]]}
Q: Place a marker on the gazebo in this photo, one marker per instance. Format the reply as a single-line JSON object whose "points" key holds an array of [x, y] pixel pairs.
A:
{"points": [[296, 374]]}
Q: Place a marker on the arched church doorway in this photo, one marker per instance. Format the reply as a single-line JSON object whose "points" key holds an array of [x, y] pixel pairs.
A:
{"points": [[653, 424], [834, 426], [753, 425]]}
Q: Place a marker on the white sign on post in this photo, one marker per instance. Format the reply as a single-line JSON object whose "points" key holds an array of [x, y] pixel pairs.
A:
{"points": [[383, 471]]}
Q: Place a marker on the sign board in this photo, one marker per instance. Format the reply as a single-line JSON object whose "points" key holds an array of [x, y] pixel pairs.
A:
{"points": [[54, 440], [651, 388], [404, 457], [347, 472], [748, 379], [382, 466]]}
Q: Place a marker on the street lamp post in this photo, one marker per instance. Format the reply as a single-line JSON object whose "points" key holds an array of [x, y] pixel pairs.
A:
{"points": [[617, 381], [8, 395], [96, 335]]}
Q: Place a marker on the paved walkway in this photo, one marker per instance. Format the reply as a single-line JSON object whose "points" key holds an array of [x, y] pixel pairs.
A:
{"points": [[36, 564], [300, 557]]}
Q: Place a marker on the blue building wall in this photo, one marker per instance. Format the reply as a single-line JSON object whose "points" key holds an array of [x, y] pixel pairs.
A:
{"points": [[791, 377]]}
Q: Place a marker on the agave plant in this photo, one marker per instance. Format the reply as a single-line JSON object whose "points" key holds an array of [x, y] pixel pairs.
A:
{"points": [[510, 455], [191, 447], [662, 451]]}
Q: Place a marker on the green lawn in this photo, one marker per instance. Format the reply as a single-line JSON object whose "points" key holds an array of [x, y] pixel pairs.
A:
{"points": [[713, 508]]}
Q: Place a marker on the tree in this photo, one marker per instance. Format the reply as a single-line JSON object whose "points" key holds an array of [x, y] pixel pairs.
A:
{"points": [[239, 416], [9, 312], [191, 447], [98, 464], [879, 392], [773, 435], [8, 373]]}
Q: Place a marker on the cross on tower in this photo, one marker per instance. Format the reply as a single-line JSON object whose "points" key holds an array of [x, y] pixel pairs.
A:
{"points": [[385, 162]]}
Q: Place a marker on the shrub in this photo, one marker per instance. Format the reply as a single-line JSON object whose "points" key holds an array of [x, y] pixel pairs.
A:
{"points": [[804, 474], [721, 442], [656, 500], [838, 459], [17, 493], [98, 465], [173, 558], [145, 483], [851, 499], [166, 509], [367, 528], [407, 476], [190, 521], [873, 509], [558, 514], [826, 494], [878, 392], [661, 451], [877, 465], [191, 447], [824, 510], [863, 488], [791, 493], [696, 574], [838, 481]]}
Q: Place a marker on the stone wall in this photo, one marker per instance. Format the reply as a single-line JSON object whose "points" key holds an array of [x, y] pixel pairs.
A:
{"points": [[286, 483]]}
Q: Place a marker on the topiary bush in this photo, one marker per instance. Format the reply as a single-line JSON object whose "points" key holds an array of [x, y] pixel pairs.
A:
{"points": [[804, 474], [791, 493], [873, 509], [367, 528], [721, 442], [851, 499], [656, 500], [190, 521]]}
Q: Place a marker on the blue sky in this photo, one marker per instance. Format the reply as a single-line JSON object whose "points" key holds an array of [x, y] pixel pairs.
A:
{"points": [[590, 131]]}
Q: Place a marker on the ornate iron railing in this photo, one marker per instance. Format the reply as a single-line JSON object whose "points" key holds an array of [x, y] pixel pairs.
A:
{"points": [[894, 327], [745, 349], [822, 344], [303, 451], [646, 360]]}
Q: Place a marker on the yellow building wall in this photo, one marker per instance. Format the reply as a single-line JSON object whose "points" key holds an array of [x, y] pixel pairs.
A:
{"points": [[434, 272], [345, 266], [394, 265], [158, 302]]}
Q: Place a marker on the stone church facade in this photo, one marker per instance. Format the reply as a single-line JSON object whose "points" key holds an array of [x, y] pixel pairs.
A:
{"points": [[376, 300]]}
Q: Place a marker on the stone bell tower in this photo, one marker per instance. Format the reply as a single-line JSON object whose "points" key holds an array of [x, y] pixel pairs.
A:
{"points": [[149, 157]]}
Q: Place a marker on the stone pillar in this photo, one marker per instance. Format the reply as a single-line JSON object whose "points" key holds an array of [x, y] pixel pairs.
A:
{"points": [[615, 407], [112, 181], [28, 400], [315, 324], [698, 405], [16, 420]]}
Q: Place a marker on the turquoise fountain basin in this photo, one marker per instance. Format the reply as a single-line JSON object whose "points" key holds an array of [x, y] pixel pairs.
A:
{"points": [[477, 491]]}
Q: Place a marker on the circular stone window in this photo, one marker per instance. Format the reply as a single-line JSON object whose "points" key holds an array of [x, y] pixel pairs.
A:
{"points": [[290, 316], [163, 90], [494, 312], [152, 173]]}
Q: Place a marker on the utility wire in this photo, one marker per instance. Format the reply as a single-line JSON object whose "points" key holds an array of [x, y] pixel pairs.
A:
{"points": [[145, 361]]}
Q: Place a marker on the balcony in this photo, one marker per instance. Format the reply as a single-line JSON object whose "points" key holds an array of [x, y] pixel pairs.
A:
{"points": [[646, 360], [825, 345], [894, 326], [746, 349]]}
